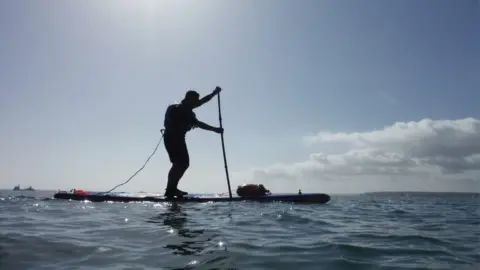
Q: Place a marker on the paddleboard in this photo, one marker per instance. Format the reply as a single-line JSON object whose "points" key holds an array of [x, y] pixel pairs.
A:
{"points": [[155, 197]]}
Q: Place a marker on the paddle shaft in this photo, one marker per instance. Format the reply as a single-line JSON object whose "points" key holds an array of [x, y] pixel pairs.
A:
{"points": [[223, 146]]}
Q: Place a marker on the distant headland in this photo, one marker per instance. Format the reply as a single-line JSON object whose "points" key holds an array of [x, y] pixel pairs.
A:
{"points": [[30, 188]]}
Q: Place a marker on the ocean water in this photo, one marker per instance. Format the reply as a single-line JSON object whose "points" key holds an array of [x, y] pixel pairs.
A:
{"points": [[366, 231]]}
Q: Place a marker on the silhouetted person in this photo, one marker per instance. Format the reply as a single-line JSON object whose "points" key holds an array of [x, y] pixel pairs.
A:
{"points": [[179, 119]]}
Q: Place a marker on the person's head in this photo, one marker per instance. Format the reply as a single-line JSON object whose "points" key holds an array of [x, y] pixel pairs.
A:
{"points": [[191, 98]]}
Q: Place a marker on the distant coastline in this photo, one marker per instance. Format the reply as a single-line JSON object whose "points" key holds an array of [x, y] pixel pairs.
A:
{"points": [[422, 192]]}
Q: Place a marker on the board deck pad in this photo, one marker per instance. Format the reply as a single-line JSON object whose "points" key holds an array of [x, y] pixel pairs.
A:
{"points": [[158, 197]]}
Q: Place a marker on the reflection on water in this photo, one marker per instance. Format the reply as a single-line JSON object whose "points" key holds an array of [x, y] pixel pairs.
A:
{"points": [[198, 247], [191, 241]]}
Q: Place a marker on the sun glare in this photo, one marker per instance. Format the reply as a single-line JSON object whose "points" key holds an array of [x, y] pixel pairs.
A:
{"points": [[154, 9], [146, 5], [142, 4]]}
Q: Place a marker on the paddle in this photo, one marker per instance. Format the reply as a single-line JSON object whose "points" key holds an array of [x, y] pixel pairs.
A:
{"points": [[223, 146]]}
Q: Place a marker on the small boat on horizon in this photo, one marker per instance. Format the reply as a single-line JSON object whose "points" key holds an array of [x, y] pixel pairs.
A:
{"points": [[30, 188]]}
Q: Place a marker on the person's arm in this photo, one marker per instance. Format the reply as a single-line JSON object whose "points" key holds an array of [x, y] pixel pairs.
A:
{"points": [[204, 126], [208, 97]]}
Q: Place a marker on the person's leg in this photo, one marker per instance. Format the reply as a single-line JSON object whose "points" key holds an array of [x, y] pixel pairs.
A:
{"points": [[183, 164], [179, 157], [170, 143], [171, 179], [174, 175]]}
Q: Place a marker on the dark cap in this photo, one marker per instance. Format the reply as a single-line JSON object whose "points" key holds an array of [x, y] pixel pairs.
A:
{"points": [[192, 95]]}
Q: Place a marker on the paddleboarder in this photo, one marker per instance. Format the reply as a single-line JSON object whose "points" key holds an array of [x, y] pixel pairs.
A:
{"points": [[179, 119]]}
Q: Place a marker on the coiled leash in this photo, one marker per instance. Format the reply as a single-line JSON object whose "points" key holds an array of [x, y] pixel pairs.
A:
{"points": [[131, 177]]}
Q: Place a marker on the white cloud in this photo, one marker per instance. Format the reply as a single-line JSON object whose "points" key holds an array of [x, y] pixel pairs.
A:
{"points": [[413, 155]]}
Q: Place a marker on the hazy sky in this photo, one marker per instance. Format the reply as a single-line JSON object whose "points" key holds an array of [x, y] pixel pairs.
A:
{"points": [[326, 96]]}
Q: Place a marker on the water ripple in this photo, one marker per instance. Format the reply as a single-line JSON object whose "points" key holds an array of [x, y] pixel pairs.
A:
{"points": [[351, 232]]}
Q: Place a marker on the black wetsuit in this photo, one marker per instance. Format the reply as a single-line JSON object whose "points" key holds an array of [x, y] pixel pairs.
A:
{"points": [[178, 121]]}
